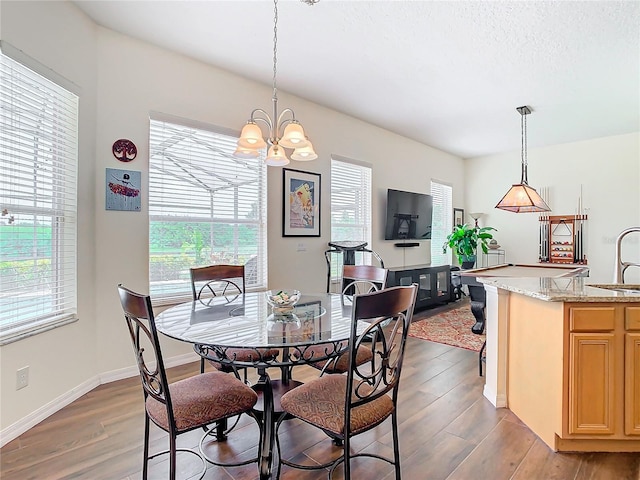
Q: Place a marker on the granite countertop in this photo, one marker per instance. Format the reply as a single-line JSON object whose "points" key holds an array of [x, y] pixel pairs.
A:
{"points": [[574, 289]]}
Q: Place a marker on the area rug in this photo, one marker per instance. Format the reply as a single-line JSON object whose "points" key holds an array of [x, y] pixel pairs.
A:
{"points": [[452, 327]]}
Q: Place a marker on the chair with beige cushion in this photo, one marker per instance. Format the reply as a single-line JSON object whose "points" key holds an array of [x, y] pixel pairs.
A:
{"points": [[356, 279], [184, 405], [214, 281], [344, 406]]}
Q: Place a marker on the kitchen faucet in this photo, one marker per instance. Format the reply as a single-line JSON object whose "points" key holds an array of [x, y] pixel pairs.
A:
{"points": [[621, 267]]}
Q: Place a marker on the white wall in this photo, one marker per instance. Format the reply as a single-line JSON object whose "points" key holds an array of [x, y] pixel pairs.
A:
{"points": [[122, 81], [607, 169], [60, 37]]}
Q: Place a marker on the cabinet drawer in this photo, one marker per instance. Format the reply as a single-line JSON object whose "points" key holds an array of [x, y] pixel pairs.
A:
{"points": [[632, 318], [584, 319]]}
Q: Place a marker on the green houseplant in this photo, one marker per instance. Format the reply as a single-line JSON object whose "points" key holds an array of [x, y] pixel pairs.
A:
{"points": [[464, 241]]}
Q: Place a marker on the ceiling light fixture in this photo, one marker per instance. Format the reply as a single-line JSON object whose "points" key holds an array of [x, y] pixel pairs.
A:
{"points": [[293, 135], [521, 198]]}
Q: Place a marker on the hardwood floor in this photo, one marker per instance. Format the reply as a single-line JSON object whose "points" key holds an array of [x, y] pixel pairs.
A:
{"points": [[448, 430]]}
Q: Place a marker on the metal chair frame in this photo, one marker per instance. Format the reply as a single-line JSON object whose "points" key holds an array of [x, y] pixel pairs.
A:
{"points": [[219, 280], [140, 320], [361, 279], [365, 385]]}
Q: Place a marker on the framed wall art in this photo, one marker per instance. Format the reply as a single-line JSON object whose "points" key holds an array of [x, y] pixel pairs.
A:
{"points": [[122, 190], [458, 216], [300, 203]]}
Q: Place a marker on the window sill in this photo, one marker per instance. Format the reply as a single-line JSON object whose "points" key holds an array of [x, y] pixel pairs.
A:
{"points": [[15, 334]]}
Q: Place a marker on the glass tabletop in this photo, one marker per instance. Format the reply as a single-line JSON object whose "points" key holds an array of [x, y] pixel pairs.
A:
{"points": [[247, 320]]}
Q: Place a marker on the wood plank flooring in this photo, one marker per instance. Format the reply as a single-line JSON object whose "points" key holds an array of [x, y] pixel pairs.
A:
{"points": [[448, 431]]}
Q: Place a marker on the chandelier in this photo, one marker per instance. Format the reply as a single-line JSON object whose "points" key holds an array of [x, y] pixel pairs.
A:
{"points": [[284, 130], [521, 198]]}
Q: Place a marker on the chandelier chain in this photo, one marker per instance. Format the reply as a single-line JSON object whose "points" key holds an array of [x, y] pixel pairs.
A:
{"points": [[275, 47]]}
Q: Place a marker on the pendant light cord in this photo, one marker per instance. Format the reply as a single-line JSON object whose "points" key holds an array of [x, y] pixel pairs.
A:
{"points": [[523, 127]]}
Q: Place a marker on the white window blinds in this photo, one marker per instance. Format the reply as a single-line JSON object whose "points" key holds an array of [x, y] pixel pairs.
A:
{"points": [[350, 201], [205, 207], [350, 206], [442, 222], [38, 170]]}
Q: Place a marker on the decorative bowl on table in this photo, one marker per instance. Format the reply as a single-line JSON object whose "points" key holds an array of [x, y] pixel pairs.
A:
{"points": [[282, 300]]}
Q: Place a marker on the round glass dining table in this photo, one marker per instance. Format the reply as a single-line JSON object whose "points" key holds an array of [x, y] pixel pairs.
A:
{"points": [[220, 324]]}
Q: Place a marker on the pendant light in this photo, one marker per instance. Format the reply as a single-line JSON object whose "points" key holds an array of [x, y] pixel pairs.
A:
{"points": [[521, 198], [284, 130]]}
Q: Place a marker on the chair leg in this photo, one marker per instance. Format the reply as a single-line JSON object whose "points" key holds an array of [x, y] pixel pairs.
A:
{"points": [[201, 364], [484, 345], [172, 457], [145, 449], [396, 443], [347, 457]]}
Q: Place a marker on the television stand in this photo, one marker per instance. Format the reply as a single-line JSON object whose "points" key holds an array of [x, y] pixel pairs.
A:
{"points": [[434, 283]]}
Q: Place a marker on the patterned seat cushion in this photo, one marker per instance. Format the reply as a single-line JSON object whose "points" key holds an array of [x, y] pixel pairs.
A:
{"points": [[363, 355], [203, 399], [320, 402], [249, 354]]}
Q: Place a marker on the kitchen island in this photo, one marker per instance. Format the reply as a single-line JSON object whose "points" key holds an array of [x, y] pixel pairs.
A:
{"points": [[564, 356]]}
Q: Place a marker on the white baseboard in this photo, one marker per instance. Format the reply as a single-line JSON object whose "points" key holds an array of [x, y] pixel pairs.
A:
{"points": [[16, 429], [132, 371]]}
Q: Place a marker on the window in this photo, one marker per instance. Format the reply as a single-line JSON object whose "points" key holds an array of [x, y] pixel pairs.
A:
{"points": [[442, 222], [205, 207], [38, 168], [350, 206]]}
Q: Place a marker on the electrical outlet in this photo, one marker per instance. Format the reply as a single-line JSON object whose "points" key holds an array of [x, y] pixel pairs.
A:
{"points": [[22, 377]]}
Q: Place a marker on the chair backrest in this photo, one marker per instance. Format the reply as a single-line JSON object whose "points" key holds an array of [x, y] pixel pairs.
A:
{"points": [[138, 314], [387, 314], [363, 278], [216, 280]]}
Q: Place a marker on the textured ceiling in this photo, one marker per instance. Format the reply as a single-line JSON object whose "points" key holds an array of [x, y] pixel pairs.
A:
{"points": [[448, 74]]}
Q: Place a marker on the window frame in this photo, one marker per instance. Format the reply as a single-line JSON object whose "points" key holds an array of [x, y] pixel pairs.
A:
{"points": [[364, 210], [44, 103], [229, 137], [443, 225]]}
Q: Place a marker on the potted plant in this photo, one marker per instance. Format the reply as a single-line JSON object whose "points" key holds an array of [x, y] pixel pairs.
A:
{"points": [[464, 241]]}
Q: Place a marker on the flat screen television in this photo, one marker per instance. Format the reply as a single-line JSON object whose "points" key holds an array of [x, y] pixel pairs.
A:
{"points": [[408, 215]]}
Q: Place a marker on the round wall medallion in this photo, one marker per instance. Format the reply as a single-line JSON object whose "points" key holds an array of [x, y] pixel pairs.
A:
{"points": [[124, 150]]}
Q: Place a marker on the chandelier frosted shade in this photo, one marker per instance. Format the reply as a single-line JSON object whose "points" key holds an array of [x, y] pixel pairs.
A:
{"points": [[293, 136], [251, 137], [304, 154], [276, 157], [521, 198], [242, 152]]}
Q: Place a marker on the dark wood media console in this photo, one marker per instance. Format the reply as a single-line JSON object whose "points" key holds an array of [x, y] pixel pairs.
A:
{"points": [[434, 283]]}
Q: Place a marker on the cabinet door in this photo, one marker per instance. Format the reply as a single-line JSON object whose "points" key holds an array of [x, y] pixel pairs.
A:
{"points": [[632, 384], [591, 383], [425, 285]]}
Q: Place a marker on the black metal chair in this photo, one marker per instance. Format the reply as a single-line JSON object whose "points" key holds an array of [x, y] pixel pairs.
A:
{"points": [[357, 279], [344, 406], [214, 281], [184, 405]]}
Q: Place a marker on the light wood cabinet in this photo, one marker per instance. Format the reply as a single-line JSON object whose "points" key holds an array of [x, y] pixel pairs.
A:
{"points": [[572, 370], [592, 386], [632, 371], [603, 370]]}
